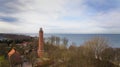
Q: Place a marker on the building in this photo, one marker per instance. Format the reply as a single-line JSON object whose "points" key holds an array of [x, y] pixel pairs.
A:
{"points": [[41, 43], [14, 58]]}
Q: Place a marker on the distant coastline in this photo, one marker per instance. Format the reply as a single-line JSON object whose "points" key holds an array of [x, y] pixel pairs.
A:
{"points": [[78, 39]]}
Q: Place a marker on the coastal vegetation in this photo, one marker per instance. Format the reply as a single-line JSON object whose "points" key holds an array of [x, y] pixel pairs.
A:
{"points": [[95, 52]]}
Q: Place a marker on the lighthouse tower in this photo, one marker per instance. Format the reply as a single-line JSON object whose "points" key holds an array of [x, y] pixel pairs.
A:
{"points": [[40, 43]]}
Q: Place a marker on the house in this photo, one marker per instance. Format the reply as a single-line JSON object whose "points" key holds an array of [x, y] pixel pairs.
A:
{"points": [[14, 58]]}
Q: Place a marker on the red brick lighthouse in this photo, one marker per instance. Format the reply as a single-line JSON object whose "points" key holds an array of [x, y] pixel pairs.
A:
{"points": [[40, 43]]}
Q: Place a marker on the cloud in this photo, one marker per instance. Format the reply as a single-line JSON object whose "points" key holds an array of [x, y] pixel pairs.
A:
{"points": [[60, 16], [103, 5], [8, 19], [7, 27]]}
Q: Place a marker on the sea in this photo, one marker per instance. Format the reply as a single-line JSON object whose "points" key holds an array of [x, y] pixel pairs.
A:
{"points": [[79, 39]]}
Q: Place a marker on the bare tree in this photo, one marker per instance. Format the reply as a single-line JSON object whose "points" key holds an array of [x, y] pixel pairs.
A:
{"points": [[95, 46], [57, 40], [65, 41]]}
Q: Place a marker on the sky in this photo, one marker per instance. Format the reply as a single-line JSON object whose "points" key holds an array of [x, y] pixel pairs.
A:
{"points": [[60, 16]]}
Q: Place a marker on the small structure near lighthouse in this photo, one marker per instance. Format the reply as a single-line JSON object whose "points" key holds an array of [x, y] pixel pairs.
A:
{"points": [[41, 43]]}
